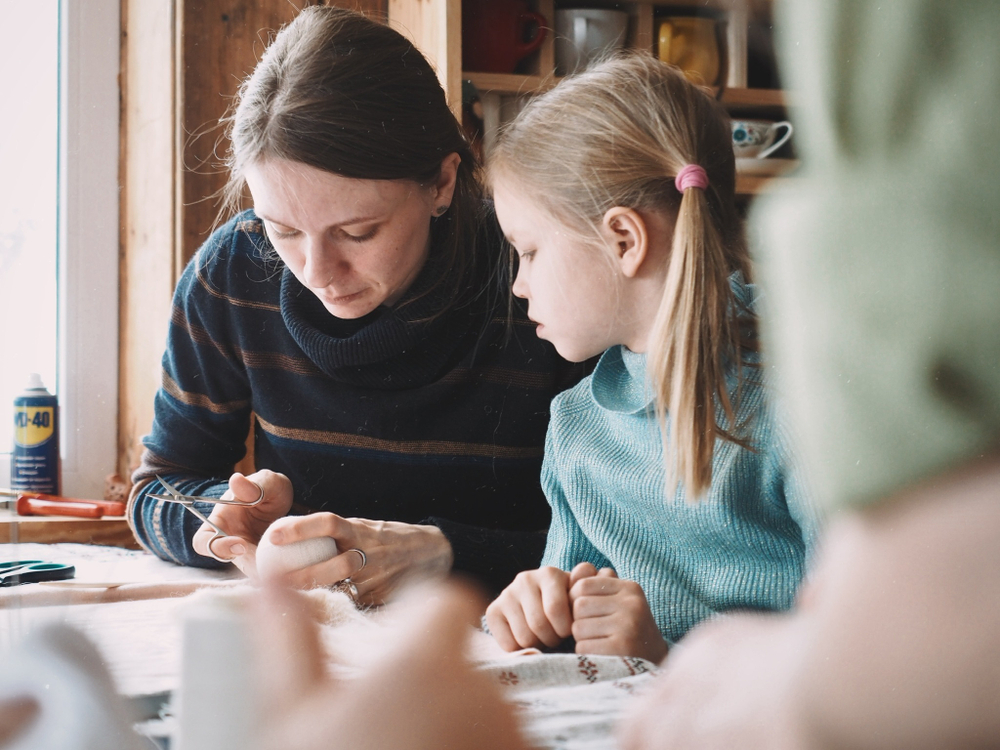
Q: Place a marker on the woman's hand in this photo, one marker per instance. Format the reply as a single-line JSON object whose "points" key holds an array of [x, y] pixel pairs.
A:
{"points": [[611, 616], [394, 553], [535, 609], [245, 525]]}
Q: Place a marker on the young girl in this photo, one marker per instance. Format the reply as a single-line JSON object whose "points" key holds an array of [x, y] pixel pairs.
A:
{"points": [[666, 469]]}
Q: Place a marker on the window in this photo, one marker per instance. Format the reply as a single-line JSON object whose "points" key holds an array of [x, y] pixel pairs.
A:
{"points": [[29, 141], [59, 226]]}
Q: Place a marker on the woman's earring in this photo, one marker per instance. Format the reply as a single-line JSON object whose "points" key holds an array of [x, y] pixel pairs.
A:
{"points": [[439, 211]]}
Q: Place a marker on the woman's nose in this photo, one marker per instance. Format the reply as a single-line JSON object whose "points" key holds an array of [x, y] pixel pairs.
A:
{"points": [[323, 264]]}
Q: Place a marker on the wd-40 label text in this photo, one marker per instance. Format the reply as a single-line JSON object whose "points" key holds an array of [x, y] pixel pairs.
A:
{"points": [[33, 425]]}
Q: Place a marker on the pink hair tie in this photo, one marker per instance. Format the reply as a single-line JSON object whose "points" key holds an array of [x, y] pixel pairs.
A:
{"points": [[691, 176]]}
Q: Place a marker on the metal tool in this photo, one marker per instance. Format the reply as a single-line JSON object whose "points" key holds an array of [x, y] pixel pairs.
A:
{"points": [[33, 571], [187, 501], [39, 504]]}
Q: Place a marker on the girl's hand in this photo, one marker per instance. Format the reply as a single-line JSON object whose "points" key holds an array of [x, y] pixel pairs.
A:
{"points": [[245, 525], [534, 610], [395, 553], [611, 616]]}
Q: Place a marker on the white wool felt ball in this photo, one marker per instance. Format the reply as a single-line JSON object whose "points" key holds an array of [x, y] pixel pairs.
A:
{"points": [[276, 559]]}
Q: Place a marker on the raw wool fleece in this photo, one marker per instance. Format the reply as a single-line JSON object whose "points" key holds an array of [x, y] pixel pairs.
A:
{"points": [[351, 636], [329, 607], [565, 701]]}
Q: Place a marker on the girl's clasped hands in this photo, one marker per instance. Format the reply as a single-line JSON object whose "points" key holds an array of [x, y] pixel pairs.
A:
{"points": [[603, 613]]}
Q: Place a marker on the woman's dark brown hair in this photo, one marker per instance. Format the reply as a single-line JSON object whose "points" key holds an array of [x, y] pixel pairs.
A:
{"points": [[343, 93]]}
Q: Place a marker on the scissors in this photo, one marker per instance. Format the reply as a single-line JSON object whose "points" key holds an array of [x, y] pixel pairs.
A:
{"points": [[187, 501], [32, 571]]}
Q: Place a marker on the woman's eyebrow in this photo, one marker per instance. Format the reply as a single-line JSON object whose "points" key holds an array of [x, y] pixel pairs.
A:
{"points": [[348, 222]]}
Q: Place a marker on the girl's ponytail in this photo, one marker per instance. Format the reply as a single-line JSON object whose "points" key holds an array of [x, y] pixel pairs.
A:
{"points": [[691, 340]]}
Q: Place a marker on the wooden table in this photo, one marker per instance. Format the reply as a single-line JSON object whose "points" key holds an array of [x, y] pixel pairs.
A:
{"points": [[565, 702], [110, 531], [136, 626]]}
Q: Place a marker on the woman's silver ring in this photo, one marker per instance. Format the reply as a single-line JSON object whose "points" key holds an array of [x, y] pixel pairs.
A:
{"points": [[364, 559], [347, 587]]}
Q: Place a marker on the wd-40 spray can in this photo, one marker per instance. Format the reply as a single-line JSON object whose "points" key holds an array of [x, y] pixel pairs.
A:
{"points": [[34, 465]]}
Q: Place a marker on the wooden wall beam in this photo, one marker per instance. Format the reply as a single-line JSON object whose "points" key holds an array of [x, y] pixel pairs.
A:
{"points": [[148, 210], [435, 28]]}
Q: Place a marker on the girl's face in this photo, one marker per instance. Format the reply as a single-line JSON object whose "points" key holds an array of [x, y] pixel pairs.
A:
{"points": [[355, 244], [573, 292]]}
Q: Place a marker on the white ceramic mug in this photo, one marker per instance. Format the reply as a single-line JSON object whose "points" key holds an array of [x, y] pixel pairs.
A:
{"points": [[758, 139], [584, 34]]}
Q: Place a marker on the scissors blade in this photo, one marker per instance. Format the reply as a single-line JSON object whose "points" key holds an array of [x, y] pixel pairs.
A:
{"points": [[179, 497], [171, 490], [172, 498], [186, 502]]}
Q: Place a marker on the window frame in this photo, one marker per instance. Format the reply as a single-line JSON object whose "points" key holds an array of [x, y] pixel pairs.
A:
{"points": [[88, 243]]}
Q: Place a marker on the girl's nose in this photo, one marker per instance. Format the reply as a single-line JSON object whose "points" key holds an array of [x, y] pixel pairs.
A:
{"points": [[520, 285]]}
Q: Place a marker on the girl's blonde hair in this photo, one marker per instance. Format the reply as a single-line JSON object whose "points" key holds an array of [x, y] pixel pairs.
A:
{"points": [[617, 135]]}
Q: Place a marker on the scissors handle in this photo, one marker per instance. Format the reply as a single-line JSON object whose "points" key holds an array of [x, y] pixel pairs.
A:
{"points": [[6, 567], [36, 572]]}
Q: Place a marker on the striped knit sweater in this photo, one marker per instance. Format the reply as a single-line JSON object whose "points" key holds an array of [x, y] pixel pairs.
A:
{"points": [[742, 546], [437, 421]]}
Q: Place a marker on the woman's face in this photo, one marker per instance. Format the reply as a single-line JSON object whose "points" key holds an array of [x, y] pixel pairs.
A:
{"points": [[355, 244]]}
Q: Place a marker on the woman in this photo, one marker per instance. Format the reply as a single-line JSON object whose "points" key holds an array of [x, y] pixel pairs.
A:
{"points": [[357, 314]]}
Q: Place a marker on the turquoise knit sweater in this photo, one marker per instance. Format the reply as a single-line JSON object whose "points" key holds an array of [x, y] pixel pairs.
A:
{"points": [[742, 546]]}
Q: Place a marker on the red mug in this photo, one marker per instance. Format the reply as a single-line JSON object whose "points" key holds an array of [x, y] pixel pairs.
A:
{"points": [[493, 33]]}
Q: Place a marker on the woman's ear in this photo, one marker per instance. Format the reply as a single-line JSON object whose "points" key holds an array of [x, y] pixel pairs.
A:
{"points": [[626, 232], [444, 187]]}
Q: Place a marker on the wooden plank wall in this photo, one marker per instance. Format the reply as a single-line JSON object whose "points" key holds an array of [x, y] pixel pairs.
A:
{"points": [[435, 28], [147, 211], [182, 63]]}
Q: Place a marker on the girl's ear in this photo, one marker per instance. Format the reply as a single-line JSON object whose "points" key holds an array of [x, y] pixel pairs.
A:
{"points": [[627, 234]]}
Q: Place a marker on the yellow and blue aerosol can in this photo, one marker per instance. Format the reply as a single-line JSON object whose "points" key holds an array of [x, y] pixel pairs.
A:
{"points": [[34, 465]]}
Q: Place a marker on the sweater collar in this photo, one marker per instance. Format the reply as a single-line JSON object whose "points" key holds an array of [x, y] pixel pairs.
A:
{"points": [[619, 382], [390, 348]]}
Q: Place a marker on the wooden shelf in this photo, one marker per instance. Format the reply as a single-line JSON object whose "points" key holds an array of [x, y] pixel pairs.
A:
{"points": [[435, 26], [754, 176], [748, 98], [510, 84], [109, 531], [752, 184], [734, 99]]}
